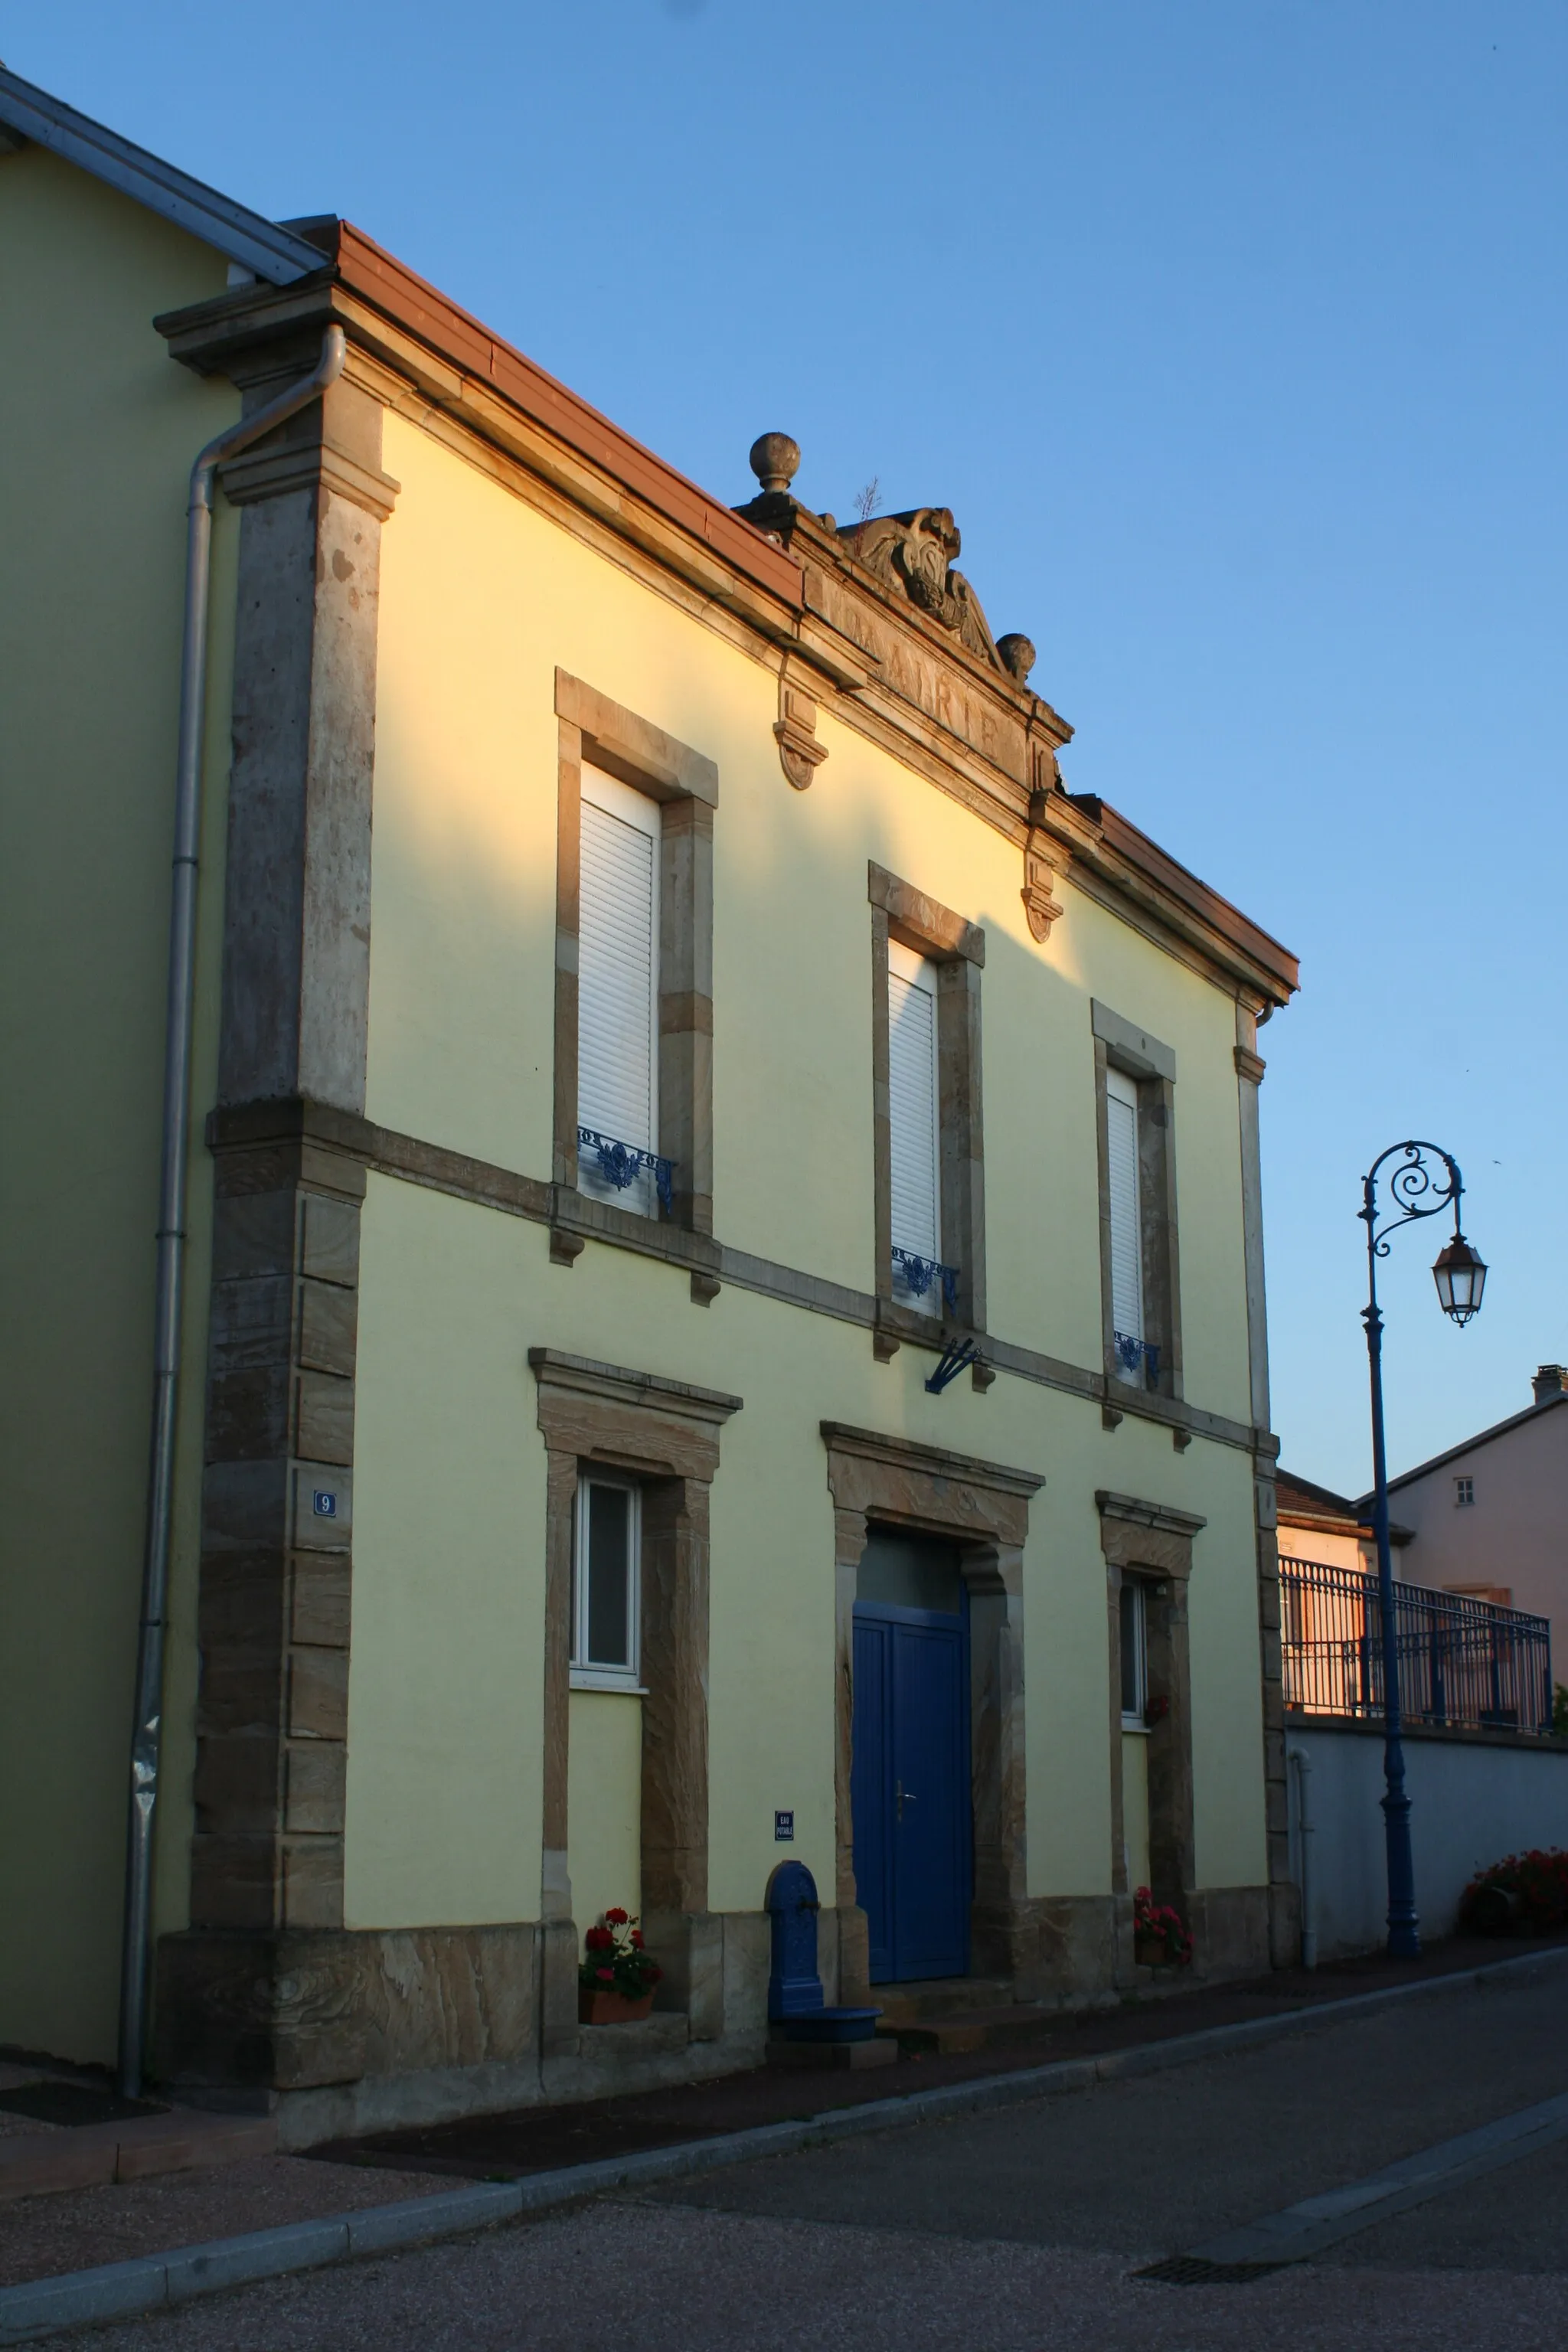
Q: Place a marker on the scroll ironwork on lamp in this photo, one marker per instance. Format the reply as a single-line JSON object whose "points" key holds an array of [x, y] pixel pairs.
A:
{"points": [[1425, 1181]]}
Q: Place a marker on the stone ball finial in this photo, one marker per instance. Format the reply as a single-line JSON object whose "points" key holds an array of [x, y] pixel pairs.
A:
{"points": [[1019, 655], [774, 460]]}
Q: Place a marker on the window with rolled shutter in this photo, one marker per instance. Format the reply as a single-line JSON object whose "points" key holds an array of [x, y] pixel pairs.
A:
{"points": [[617, 983], [1126, 1219], [913, 1120]]}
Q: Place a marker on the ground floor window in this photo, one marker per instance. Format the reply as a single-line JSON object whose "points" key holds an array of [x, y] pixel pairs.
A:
{"points": [[1134, 1655], [605, 1584]]}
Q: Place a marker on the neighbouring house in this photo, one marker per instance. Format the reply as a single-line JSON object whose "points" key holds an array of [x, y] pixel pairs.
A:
{"points": [[638, 1407], [1316, 1524], [1483, 1772], [1489, 1517], [1470, 1657]]}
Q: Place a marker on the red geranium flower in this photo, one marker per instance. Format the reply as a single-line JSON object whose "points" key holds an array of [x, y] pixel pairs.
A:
{"points": [[615, 1918], [607, 1975]]}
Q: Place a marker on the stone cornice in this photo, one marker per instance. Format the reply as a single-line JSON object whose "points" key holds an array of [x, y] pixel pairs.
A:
{"points": [[882, 666], [340, 1145]]}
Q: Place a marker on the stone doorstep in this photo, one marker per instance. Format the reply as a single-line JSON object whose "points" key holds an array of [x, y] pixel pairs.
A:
{"points": [[839, 2057], [963, 2030], [940, 1997], [87, 2154]]}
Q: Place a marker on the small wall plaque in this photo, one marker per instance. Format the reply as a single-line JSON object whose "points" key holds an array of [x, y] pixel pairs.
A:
{"points": [[783, 1827], [324, 1503]]}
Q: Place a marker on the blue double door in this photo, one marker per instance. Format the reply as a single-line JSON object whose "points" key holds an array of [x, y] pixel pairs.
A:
{"points": [[910, 1789]]}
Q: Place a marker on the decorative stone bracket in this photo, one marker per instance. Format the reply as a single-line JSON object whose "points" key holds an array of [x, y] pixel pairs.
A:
{"points": [[800, 753], [1040, 878], [1042, 855]]}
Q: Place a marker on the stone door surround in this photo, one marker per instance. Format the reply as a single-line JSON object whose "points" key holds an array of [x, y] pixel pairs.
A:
{"points": [[983, 1507], [666, 1434], [1152, 1540]]}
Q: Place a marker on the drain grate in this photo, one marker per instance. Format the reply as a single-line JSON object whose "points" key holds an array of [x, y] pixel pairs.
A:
{"points": [[1191, 2270]]}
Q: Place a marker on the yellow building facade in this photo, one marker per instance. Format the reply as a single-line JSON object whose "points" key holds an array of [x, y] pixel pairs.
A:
{"points": [[562, 1516]]}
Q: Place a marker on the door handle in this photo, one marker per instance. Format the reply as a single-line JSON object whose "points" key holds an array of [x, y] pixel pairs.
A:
{"points": [[905, 1796]]}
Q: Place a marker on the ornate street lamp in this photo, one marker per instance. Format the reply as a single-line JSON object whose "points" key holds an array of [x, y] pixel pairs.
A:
{"points": [[1460, 1277], [1420, 1187]]}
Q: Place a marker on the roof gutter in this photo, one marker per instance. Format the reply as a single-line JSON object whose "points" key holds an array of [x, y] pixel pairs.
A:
{"points": [[146, 1741], [259, 244]]}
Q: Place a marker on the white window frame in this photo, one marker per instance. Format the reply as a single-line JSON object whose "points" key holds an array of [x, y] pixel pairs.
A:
{"points": [[1464, 1492], [642, 813], [1121, 1088], [919, 972], [1133, 1591], [585, 1675]]}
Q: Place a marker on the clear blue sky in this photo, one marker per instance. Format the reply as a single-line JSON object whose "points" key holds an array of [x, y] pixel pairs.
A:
{"points": [[1231, 332]]}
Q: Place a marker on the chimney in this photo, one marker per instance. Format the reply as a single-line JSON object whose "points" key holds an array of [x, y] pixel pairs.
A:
{"points": [[1550, 1380]]}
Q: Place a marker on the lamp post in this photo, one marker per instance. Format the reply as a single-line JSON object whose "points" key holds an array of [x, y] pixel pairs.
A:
{"points": [[1427, 1182]]}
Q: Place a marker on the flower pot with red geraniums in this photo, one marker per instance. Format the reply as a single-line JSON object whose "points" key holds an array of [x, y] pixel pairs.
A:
{"points": [[1159, 1938], [617, 1974]]}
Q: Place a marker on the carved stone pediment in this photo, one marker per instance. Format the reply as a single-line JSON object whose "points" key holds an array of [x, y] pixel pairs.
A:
{"points": [[914, 553]]}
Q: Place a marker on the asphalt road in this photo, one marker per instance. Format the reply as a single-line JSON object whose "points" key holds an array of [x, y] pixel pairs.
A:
{"points": [[1018, 2232]]}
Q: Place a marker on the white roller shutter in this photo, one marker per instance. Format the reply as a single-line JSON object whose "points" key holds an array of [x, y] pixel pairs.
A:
{"points": [[617, 978], [1126, 1213], [913, 1113]]}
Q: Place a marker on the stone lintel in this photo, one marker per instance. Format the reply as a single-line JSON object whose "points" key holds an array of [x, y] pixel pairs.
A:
{"points": [[931, 1461], [1163, 1517], [612, 1383], [648, 758]]}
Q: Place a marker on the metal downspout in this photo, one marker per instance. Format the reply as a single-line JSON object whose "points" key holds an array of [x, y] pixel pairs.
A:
{"points": [[1306, 1828], [146, 1737]]}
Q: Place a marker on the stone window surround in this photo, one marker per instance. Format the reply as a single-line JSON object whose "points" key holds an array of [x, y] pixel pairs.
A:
{"points": [[593, 728], [983, 1507], [664, 1433], [1154, 1542], [957, 948], [1120, 1045]]}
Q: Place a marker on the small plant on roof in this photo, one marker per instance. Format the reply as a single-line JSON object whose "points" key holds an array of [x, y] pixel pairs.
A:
{"points": [[1157, 1924], [616, 1959], [864, 508]]}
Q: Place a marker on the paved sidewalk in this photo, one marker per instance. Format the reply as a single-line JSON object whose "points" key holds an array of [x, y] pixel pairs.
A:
{"points": [[45, 2236], [78, 2228], [1022, 2229], [539, 2139], [41, 2236]]}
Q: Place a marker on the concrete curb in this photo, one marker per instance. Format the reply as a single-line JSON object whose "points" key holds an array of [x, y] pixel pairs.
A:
{"points": [[154, 2281]]}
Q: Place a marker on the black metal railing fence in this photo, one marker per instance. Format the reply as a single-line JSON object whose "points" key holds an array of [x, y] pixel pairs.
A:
{"points": [[1463, 1663]]}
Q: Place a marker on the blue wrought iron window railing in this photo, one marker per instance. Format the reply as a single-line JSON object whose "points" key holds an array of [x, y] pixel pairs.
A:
{"points": [[621, 1164], [918, 1273], [1132, 1354]]}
